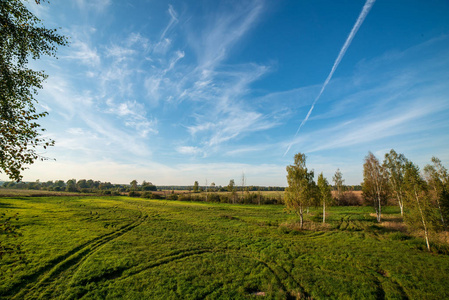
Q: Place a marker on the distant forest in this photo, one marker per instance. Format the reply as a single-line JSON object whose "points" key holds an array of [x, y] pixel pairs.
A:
{"points": [[95, 186]]}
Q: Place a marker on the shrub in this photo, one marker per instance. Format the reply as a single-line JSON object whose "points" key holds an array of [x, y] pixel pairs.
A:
{"points": [[147, 195], [213, 197], [349, 199], [134, 194], [172, 197]]}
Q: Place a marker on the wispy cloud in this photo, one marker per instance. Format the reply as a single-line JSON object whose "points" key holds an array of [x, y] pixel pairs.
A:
{"points": [[189, 150], [376, 125], [173, 21], [134, 114], [358, 23], [223, 31], [215, 90], [243, 150], [85, 53], [99, 5]]}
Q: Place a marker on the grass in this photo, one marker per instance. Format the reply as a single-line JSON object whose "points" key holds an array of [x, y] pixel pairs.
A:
{"points": [[117, 247]]}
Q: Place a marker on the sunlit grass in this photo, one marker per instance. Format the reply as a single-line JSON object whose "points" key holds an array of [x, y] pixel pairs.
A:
{"points": [[156, 249]]}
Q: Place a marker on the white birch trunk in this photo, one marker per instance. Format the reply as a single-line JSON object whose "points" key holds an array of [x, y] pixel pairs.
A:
{"points": [[324, 212], [423, 221]]}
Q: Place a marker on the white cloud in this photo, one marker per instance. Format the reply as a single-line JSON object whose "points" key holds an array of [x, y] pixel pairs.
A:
{"points": [[134, 114], [119, 53], [190, 150], [173, 20], [98, 5], [162, 46], [83, 52], [224, 30]]}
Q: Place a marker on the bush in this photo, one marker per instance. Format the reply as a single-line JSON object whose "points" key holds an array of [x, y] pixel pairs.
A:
{"points": [[349, 199], [172, 197], [147, 195], [134, 194], [213, 197]]}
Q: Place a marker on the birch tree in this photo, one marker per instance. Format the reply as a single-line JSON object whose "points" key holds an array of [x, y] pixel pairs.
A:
{"points": [[338, 183], [299, 193], [394, 165], [418, 201], [22, 37], [325, 193], [375, 183], [243, 184], [438, 180]]}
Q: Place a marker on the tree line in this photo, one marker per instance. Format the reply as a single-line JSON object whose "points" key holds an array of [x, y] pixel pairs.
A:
{"points": [[81, 186]]}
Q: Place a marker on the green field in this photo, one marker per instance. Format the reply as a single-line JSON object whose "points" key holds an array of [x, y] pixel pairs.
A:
{"points": [[124, 248]]}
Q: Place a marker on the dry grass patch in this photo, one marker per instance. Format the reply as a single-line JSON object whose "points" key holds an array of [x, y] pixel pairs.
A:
{"points": [[394, 226]]}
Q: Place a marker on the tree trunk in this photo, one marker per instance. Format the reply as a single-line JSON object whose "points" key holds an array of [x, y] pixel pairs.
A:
{"points": [[401, 205], [301, 217], [379, 212], [423, 221], [324, 212]]}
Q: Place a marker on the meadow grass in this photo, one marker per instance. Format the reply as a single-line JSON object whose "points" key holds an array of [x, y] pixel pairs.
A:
{"points": [[122, 248]]}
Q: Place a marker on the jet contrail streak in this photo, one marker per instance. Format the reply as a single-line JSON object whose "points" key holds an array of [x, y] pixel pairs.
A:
{"points": [[358, 23]]}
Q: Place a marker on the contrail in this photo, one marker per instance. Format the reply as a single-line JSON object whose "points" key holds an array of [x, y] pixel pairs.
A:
{"points": [[358, 23]]}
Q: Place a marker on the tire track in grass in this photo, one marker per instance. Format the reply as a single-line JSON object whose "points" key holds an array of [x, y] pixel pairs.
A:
{"points": [[188, 254], [275, 271], [128, 271], [381, 277], [31, 284], [185, 254]]}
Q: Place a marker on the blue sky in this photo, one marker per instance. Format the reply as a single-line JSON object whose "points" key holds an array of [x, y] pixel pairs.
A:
{"points": [[177, 91]]}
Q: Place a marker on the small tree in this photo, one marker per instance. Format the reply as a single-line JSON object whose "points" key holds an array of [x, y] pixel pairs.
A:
{"points": [[417, 200], [437, 178], [231, 185], [375, 183], [243, 184], [71, 185], [133, 185], [300, 190], [338, 183], [195, 187], [325, 194], [394, 165]]}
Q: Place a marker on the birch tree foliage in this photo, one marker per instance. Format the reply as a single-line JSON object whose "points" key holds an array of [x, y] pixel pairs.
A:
{"points": [[437, 178], [419, 208], [22, 37], [394, 165], [300, 191], [325, 194], [375, 183], [338, 182]]}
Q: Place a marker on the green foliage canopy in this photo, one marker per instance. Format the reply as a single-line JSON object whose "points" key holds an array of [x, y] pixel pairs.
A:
{"points": [[301, 188], [22, 36], [394, 166]]}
